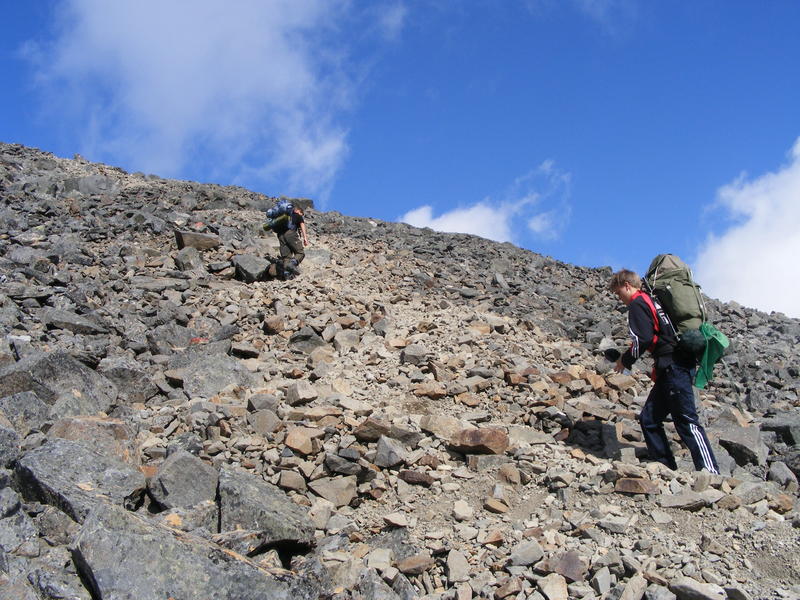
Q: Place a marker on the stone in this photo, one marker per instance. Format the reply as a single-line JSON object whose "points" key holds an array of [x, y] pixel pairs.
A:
{"points": [[64, 319], [525, 554], [462, 511], [114, 551], [686, 588], [744, 445], [107, 436], [183, 480], [390, 453], [300, 440], [458, 569], [199, 241], [301, 392], [25, 411], [416, 478], [72, 476], [59, 381], [686, 500], [371, 429], [553, 587], [338, 490], [635, 485], [292, 480], [486, 440], [416, 564], [249, 503], [414, 354], [250, 268], [306, 341], [442, 426]]}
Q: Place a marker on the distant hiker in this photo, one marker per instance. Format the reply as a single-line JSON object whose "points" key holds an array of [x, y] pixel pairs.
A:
{"points": [[286, 220], [651, 329]]}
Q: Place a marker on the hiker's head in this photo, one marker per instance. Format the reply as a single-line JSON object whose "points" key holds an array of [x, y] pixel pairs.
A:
{"points": [[625, 284], [299, 211]]}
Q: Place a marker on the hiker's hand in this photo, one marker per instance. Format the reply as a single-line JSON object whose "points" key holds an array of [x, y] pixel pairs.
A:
{"points": [[305, 241], [619, 367]]}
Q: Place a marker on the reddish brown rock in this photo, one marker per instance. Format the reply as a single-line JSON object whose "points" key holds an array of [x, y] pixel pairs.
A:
{"points": [[416, 478], [486, 440], [415, 565], [635, 485]]}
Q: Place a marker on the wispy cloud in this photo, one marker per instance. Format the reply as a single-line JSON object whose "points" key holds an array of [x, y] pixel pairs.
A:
{"points": [[256, 88], [755, 261], [613, 16], [536, 204]]}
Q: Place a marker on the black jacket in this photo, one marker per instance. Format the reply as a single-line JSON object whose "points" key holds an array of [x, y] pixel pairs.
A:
{"points": [[660, 342]]}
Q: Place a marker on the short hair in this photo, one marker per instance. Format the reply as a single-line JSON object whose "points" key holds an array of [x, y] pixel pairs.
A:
{"points": [[623, 276]]}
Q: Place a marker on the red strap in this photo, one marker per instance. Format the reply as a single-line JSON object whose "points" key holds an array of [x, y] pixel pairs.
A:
{"points": [[649, 302]]}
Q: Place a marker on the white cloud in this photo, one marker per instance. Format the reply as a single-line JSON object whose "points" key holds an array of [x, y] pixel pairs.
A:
{"points": [[754, 262], [481, 219], [539, 199], [256, 88]]}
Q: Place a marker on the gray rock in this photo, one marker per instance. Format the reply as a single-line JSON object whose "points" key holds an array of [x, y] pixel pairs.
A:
{"points": [[64, 319], [120, 555], [414, 354], [74, 478], [306, 340], [9, 446], [371, 586], [686, 588], [249, 503], [525, 554], [250, 268], [744, 445], [207, 375], [780, 473], [390, 453], [133, 383], [58, 379], [189, 259], [196, 241], [183, 480]]}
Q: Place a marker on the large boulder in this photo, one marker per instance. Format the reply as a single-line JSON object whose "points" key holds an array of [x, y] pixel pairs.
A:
{"points": [[60, 381], [122, 556], [183, 480], [73, 477], [250, 503]]}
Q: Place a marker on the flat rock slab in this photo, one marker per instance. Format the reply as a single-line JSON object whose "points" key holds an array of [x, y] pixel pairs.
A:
{"points": [[200, 241], [123, 556], [487, 440], [59, 378], [73, 478], [250, 503]]}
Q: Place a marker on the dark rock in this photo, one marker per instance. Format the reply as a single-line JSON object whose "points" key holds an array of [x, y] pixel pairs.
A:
{"points": [[183, 480], [250, 268], [64, 319], [73, 478], [249, 503], [198, 241], [121, 555], [305, 340], [60, 380]]}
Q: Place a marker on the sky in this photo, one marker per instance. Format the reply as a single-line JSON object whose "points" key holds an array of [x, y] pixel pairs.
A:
{"points": [[598, 132]]}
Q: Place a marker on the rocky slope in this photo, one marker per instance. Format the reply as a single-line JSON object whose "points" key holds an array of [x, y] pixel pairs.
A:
{"points": [[418, 414]]}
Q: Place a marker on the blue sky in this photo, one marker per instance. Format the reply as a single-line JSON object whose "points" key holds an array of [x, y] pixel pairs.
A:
{"points": [[599, 132]]}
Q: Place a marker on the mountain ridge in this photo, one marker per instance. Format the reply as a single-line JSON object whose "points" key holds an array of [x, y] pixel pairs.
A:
{"points": [[430, 400]]}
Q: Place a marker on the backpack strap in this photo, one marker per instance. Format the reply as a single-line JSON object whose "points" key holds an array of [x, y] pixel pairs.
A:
{"points": [[654, 314]]}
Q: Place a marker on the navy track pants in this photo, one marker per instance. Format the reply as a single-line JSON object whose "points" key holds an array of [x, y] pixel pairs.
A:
{"points": [[672, 394]]}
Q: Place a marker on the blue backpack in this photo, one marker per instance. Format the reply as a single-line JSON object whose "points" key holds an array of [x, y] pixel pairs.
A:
{"points": [[278, 214]]}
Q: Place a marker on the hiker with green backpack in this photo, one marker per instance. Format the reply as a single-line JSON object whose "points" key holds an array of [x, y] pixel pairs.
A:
{"points": [[674, 370]]}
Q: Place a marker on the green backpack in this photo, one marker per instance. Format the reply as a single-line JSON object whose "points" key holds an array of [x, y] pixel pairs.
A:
{"points": [[670, 280]]}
